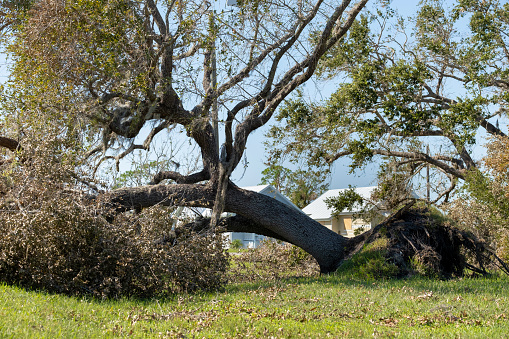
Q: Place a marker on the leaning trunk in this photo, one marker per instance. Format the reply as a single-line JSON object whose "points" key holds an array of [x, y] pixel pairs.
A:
{"points": [[256, 213], [291, 225]]}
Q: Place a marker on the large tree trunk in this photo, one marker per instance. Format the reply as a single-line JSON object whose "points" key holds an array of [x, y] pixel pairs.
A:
{"points": [[293, 226], [256, 213]]}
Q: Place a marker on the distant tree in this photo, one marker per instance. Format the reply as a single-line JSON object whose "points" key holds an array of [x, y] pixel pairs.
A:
{"points": [[348, 199], [434, 79]]}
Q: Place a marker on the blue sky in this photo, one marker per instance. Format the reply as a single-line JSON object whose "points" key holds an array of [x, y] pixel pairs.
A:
{"points": [[3, 68]]}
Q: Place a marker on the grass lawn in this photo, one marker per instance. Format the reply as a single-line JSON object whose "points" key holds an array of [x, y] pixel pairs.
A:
{"points": [[311, 307]]}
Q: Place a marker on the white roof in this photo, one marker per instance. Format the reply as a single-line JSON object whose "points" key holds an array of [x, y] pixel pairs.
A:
{"points": [[256, 189], [318, 210]]}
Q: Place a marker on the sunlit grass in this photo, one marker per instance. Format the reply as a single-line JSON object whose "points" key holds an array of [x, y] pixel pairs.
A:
{"points": [[327, 306]]}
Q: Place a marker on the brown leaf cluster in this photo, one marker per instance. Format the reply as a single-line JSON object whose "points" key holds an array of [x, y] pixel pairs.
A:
{"points": [[59, 240]]}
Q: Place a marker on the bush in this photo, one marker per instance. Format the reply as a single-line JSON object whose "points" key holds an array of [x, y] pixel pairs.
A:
{"points": [[56, 242], [272, 260], [370, 263], [56, 235], [503, 246]]}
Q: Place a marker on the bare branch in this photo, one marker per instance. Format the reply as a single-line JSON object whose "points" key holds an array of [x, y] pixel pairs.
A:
{"points": [[446, 194], [332, 32], [179, 178], [191, 51], [157, 17], [436, 161]]}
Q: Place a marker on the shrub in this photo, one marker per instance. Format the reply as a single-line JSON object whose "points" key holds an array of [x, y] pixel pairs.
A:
{"points": [[370, 263], [57, 242], [272, 260], [503, 246], [57, 237]]}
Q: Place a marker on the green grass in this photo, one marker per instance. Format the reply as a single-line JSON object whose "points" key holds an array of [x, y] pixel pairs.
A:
{"points": [[329, 306], [370, 262]]}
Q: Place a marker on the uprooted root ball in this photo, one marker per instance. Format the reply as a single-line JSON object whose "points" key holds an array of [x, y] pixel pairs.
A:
{"points": [[415, 243]]}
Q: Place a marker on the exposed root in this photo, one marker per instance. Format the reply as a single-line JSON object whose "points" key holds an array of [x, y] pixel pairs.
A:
{"points": [[419, 244]]}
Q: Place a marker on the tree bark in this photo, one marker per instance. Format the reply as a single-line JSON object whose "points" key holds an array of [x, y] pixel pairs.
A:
{"points": [[10, 144], [293, 226]]}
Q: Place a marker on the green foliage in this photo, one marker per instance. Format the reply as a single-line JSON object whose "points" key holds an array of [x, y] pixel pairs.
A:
{"points": [[296, 112], [347, 199], [369, 263], [403, 83], [300, 186], [437, 215], [355, 49], [483, 208], [236, 244], [477, 184], [358, 231]]}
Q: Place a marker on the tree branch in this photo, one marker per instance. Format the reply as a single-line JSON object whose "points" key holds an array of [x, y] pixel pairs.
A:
{"points": [[10, 144], [332, 32], [179, 178], [416, 156], [157, 17]]}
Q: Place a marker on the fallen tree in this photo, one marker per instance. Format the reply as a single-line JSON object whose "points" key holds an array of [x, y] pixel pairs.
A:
{"points": [[126, 76], [415, 242], [131, 66]]}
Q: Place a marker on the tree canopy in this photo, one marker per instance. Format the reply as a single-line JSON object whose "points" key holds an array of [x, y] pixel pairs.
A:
{"points": [[437, 79], [109, 76]]}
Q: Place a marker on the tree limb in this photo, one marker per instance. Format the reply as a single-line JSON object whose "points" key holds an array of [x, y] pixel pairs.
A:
{"points": [[179, 178], [418, 156], [10, 144]]}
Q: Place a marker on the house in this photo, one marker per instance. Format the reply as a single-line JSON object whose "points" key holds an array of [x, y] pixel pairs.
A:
{"points": [[252, 240], [347, 223]]}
